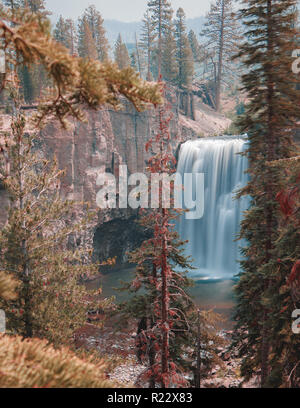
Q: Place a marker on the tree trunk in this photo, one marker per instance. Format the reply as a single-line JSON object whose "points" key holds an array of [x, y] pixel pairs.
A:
{"points": [[220, 64], [138, 54], [164, 310], [142, 327], [198, 373], [160, 39], [265, 350], [28, 332], [152, 356]]}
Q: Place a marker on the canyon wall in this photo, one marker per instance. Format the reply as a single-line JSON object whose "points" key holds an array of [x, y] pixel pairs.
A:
{"points": [[107, 139]]}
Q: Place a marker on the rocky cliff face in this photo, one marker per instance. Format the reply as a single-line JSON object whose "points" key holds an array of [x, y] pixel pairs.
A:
{"points": [[108, 139]]}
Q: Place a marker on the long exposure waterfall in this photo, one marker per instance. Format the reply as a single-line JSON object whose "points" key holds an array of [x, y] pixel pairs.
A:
{"points": [[212, 238]]}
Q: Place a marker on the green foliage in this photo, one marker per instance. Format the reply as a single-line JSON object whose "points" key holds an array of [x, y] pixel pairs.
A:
{"points": [[285, 297], [86, 42], [167, 329], [35, 6], [270, 117], [184, 54], [7, 287], [161, 15], [221, 38], [169, 65], [147, 42], [76, 82], [92, 41], [51, 303], [35, 264], [65, 34], [35, 364], [195, 46], [122, 58], [27, 84]]}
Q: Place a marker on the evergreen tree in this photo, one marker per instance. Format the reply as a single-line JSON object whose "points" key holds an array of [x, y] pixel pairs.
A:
{"points": [[93, 27], [166, 315], [139, 56], [36, 6], [74, 81], [270, 118], [51, 303], [284, 361], [169, 64], [133, 59], [31, 240], [147, 43], [60, 31], [13, 4], [36, 364], [222, 34], [65, 33], [195, 46], [161, 15], [27, 80], [184, 54], [33, 80], [164, 307], [122, 58], [86, 42], [71, 36]]}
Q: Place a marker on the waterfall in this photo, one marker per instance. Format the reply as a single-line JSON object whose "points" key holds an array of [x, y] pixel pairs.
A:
{"points": [[212, 238]]}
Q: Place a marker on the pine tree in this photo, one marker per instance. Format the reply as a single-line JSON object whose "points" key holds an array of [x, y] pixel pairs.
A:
{"points": [[284, 361], [195, 46], [65, 34], [184, 52], [50, 303], [144, 305], [162, 311], [121, 54], [147, 43], [36, 364], [133, 59], [34, 79], [86, 42], [60, 31], [13, 4], [159, 301], [92, 35], [161, 15], [169, 64], [270, 118], [74, 81], [27, 80], [31, 240], [222, 33], [71, 36], [36, 6], [139, 56]]}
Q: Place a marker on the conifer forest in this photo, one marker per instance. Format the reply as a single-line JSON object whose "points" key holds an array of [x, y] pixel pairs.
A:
{"points": [[150, 196]]}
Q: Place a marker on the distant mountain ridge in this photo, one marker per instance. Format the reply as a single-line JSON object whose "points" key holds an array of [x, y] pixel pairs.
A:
{"points": [[128, 30]]}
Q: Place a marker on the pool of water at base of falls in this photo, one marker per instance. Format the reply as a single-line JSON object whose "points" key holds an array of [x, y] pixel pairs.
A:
{"points": [[207, 294]]}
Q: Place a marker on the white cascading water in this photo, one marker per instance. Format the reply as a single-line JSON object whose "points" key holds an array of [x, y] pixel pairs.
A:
{"points": [[212, 238]]}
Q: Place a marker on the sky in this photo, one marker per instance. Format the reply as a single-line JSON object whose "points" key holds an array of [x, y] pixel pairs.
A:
{"points": [[123, 10]]}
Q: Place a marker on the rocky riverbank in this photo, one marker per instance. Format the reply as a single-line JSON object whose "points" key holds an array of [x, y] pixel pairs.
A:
{"points": [[118, 345]]}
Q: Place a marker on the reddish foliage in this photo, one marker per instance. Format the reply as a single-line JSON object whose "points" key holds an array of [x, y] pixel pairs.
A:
{"points": [[295, 274], [163, 370], [287, 201]]}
